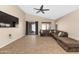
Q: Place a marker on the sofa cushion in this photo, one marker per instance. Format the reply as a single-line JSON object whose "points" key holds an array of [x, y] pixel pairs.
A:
{"points": [[59, 34], [64, 34]]}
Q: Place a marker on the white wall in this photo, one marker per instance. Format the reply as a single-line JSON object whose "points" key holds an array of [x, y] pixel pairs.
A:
{"points": [[17, 32], [70, 24], [32, 18]]}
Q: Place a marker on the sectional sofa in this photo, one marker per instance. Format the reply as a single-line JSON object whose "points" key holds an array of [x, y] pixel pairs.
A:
{"points": [[68, 44]]}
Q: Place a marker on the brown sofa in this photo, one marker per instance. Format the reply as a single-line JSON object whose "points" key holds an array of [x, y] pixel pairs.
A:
{"points": [[68, 44], [44, 32]]}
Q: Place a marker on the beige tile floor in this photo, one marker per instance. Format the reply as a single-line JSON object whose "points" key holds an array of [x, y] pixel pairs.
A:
{"points": [[34, 45]]}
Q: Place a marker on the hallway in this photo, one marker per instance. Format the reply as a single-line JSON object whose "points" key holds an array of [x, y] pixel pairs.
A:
{"points": [[33, 44]]}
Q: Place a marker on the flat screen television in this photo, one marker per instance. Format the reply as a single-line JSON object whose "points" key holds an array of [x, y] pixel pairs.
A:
{"points": [[7, 20]]}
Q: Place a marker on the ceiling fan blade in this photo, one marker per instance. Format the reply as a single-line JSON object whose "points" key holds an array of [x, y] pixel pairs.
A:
{"points": [[45, 9], [38, 11], [41, 7], [43, 12]]}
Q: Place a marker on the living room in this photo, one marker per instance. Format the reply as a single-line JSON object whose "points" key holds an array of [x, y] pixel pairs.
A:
{"points": [[50, 21]]}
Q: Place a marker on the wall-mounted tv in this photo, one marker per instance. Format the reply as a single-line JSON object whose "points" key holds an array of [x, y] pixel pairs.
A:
{"points": [[7, 20]]}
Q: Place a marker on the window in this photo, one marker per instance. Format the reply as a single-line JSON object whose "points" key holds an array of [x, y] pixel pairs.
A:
{"points": [[46, 25]]}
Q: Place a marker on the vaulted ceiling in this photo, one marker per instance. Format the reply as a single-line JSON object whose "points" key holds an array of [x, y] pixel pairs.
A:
{"points": [[55, 12]]}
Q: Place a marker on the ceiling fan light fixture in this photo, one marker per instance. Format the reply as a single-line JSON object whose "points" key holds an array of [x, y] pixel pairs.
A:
{"points": [[41, 9]]}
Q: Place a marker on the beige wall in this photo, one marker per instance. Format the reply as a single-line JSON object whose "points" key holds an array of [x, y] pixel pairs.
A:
{"points": [[17, 32], [32, 18], [70, 23]]}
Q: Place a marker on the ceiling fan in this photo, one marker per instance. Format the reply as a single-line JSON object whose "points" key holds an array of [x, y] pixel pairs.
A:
{"points": [[41, 9]]}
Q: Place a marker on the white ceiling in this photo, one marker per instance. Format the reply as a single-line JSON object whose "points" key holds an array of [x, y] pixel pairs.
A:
{"points": [[56, 11]]}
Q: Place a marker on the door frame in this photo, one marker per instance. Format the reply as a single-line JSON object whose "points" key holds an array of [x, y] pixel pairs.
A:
{"points": [[27, 23]]}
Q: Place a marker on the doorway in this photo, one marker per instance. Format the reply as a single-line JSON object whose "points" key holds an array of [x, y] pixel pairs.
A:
{"points": [[31, 28]]}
